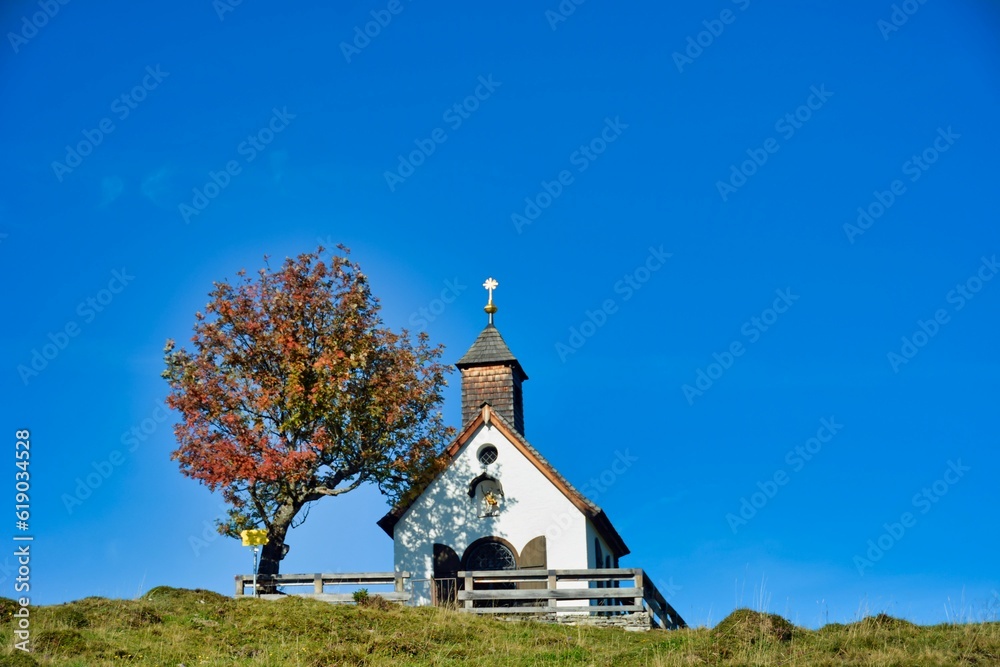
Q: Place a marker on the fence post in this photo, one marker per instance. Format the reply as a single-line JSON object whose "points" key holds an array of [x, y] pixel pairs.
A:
{"points": [[318, 583], [239, 585], [469, 587], [552, 585], [638, 580]]}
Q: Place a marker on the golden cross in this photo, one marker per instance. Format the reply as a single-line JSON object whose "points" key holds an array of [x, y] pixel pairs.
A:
{"points": [[491, 285]]}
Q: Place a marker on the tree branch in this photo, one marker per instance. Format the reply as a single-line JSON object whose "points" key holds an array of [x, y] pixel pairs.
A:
{"points": [[320, 491]]}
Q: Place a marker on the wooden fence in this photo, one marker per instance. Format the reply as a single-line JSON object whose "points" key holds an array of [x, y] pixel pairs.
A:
{"points": [[603, 592], [319, 581], [538, 591], [614, 591]]}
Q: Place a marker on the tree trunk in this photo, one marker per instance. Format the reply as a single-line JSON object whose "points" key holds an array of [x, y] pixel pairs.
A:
{"points": [[272, 552]]}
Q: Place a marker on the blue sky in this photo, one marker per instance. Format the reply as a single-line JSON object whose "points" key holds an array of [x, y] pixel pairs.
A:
{"points": [[673, 184]]}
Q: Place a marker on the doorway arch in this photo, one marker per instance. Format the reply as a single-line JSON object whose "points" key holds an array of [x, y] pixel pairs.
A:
{"points": [[491, 553]]}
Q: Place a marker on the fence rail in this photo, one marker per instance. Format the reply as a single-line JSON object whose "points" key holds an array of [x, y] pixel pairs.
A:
{"points": [[603, 592], [318, 581], [600, 592]]}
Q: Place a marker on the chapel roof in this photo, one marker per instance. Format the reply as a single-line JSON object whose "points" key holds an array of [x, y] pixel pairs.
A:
{"points": [[487, 417], [489, 349]]}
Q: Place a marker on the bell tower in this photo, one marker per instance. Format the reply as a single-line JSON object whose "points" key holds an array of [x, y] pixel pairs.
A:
{"points": [[492, 374]]}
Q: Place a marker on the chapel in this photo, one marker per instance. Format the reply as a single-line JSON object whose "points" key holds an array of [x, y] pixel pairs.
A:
{"points": [[498, 504]]}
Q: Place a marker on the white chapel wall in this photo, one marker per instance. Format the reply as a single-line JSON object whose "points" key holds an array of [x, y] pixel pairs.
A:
{"points": [[532, 506], [592, 535]]}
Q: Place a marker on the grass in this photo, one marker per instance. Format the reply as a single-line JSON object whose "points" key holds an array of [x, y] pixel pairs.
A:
{"points": [[171, 627]]}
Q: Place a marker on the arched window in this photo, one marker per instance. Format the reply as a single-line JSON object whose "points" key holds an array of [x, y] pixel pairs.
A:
{"points": [[491, 553], [490, 556]]}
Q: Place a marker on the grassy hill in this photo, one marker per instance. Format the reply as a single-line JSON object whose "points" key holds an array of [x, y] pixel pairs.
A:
{"points": [[172, 627]]}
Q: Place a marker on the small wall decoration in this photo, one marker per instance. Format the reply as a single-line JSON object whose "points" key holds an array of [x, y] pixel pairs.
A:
{"points": [[487, 492], [492, 503]]}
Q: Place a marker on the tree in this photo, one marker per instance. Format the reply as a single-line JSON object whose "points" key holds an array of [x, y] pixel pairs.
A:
{"points": [[295, 390]]}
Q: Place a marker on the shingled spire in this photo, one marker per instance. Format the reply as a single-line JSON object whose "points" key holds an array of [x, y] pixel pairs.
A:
{"points": [[492, 374]]}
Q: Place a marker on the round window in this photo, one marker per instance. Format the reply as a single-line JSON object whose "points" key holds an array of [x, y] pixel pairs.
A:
{"points": [[487, 454]]}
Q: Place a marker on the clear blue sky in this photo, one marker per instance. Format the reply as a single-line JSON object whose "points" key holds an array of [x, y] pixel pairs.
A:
{"points": [[745, 158]]}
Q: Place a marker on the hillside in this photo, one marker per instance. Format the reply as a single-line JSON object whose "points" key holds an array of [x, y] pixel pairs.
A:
{"points": [[171, 627]]}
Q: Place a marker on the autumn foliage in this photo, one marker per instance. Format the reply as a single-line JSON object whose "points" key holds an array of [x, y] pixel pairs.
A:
{"points": [[294, 390]]}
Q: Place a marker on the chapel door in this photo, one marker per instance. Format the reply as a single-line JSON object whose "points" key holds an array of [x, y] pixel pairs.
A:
{"points": [[534, 557], [445, 584]]}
